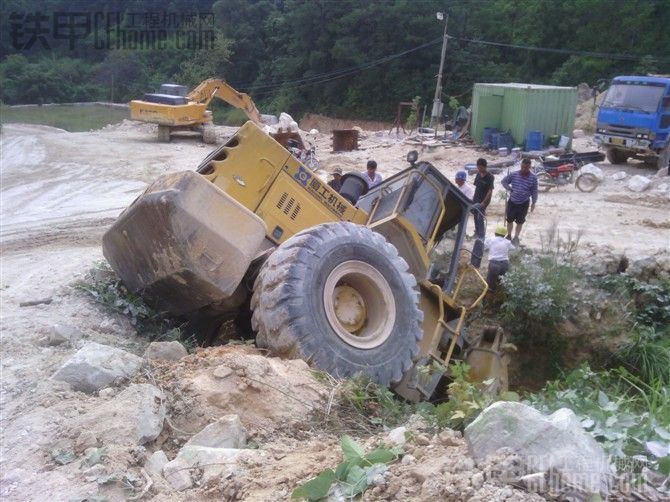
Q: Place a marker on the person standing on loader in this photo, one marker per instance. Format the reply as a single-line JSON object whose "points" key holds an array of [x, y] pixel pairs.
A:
{"points": [[523, 187], [498, 248], [372, 176]]}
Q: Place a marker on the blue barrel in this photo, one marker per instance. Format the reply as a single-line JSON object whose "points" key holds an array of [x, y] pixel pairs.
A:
{"points": [[487, 139], [503, 140], [534, 140]]}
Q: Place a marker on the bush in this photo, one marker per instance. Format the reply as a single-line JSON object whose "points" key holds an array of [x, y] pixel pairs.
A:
{"points": [[647, 356], [537, 297]]}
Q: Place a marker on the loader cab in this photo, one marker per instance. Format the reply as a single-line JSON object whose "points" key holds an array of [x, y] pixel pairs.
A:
{"points": [[416, 210]]}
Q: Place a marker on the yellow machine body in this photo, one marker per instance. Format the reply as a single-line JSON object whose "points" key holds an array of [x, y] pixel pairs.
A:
{"points": [[192, 241]]}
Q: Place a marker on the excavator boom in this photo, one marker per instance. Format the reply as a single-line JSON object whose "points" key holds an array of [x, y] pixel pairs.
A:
{"points": [[214, 87]]}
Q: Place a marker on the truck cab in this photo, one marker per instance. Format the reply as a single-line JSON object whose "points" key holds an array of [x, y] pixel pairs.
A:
{"points": [[634, 119]]}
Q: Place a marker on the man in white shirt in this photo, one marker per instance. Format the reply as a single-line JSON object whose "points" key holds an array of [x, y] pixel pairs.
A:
{"points": [[464, 187], [499, 249], [372, 176]]}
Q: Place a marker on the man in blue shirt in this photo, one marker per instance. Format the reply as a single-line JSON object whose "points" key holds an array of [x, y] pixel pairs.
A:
{"points": [[523, 187]]}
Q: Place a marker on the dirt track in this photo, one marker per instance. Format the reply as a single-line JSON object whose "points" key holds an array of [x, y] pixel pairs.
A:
{"points": [[61, 190]]}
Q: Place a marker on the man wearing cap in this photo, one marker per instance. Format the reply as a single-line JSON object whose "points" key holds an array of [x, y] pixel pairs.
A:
{"points": [[336, 182], [372, 176], [499, 249], [464, 187]]}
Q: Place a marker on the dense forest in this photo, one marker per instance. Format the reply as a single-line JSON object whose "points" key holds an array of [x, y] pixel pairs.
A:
{"points": [[346, 58]]}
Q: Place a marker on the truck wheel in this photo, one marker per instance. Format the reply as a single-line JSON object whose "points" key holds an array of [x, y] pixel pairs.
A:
{"points": [[163, 134], [664, 157], [616, 156], [587, 182], [339, 296], [208, 134]]}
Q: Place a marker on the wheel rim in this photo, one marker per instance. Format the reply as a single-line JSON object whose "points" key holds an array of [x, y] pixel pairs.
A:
{"points": [[587, 182], [359, 304]]}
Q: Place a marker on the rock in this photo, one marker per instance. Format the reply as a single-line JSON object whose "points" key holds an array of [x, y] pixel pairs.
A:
{"points": [[397, 436], [408, 460], [227, 432], [545, 442], [222, 372], [578, 133], [62, 333], [135, 416], [107, 393], [85, 440], [638, 183], [215, 463], [449, 438], [477, 480], [593, 169], [155, 463], [169, 351], [644, 268], [619, 176], [96, 366], [534, 483]]}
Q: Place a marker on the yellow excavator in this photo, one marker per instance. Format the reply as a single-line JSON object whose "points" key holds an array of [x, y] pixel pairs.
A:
{"points": [[174, 109]]}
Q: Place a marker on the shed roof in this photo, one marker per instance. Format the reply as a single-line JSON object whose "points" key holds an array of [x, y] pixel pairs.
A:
{"points": [[517, 85]]}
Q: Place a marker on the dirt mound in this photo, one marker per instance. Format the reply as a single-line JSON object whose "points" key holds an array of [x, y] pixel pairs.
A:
{"points": [[265, 392], [328, 124]]}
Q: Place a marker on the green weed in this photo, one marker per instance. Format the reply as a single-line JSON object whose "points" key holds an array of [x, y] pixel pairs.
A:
{"points": [[628, 416]]}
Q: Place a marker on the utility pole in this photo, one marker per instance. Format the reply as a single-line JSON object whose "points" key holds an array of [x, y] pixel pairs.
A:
{"points": [[437, 101]]}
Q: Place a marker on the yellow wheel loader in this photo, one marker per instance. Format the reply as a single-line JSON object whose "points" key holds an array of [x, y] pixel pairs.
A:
{"points": [[337, 279], [173, 109]]}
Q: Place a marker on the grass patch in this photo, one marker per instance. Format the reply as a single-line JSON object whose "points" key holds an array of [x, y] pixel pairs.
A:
{"points": [[68, 117]]}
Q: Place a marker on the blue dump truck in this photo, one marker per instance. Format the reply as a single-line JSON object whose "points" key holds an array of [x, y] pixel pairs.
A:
{"points": [[634, 120]]}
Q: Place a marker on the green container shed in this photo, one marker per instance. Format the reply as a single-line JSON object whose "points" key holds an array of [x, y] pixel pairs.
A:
{"points": [[521, 108]]}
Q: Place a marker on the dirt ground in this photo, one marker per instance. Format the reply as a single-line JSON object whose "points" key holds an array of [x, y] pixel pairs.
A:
{"points": [[60, 191]]}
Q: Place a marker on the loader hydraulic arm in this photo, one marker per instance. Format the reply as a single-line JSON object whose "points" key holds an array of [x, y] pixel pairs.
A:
{"points": [[214, 87]]}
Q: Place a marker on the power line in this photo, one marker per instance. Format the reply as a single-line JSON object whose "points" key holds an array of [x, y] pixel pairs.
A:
{"points": [[332, 75], [270, 88], [602, 55]]}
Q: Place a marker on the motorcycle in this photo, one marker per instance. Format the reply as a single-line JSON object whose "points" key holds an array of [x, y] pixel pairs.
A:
{"points": [[307, 156], [550, 175]]}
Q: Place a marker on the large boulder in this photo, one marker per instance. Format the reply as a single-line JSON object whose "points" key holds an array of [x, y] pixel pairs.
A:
{"points": [[556, 442], [134, 416], [638, 183], [95, 366], [227, 432], [594, 170]]}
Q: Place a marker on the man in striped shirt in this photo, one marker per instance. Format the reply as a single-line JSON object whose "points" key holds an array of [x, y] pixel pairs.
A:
{"points": [[523, 187]]}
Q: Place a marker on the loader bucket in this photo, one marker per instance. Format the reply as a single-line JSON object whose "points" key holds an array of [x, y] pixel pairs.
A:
{"points": [[183, 244]]}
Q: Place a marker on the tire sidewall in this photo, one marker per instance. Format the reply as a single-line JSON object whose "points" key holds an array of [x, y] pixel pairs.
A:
{"points": [[315, 325]]}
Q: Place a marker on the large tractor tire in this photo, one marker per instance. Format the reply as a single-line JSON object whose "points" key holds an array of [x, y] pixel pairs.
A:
{"points": [[339, 296], [616, 156]]}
